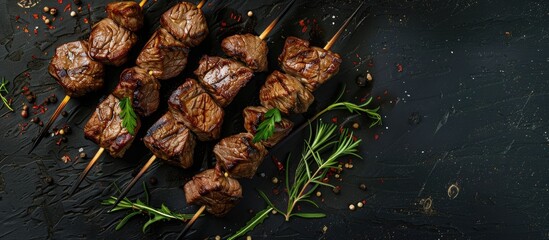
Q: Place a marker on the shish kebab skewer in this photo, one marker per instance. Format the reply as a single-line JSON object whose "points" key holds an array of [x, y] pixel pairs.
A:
{"points": [[234, 46], [122, 22], [227, 184], [163, 57]]}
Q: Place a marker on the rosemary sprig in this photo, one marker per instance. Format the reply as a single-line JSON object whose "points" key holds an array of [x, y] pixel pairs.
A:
{"points": [[309, 173], [129, 118], [267, 126], [139, 207], [352, 108], [4, 90]]}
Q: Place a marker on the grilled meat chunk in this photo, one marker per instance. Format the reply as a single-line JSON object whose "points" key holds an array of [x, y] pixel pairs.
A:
{"points": [[186, 22], [110, 43], [210, 188], [127, 14], [171, 141], [163, 55], [286, 93], [312, 65], [75, 70], [142, 88], [249, 49], [195, 108], [253, 116], [239, 156], [106, 130], [222, 77]]}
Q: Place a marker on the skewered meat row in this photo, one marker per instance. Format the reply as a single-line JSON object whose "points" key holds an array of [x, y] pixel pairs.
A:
{"points": [[164, 56], [77, 66], [237, 155]]}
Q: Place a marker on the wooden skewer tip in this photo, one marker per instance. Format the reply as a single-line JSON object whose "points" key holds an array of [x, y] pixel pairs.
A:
{"points": [[86, 170], [133, 181]]}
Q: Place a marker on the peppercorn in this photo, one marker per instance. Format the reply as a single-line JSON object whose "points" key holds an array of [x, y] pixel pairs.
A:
{"points": [[351, 207], [67, 129], [356, 125], [61, 132], [48, 180], [83, 155], [361, 81], [25, 107], [41, 124], [47, 21], [363, 187], [52, 99], [64, 114], [274, 180], [24, 113], [46, 9], [35, 119], [73, 14], [53, 11], [360, 204], [250, 13], [336, 189], [369, 77], [318, 194]]}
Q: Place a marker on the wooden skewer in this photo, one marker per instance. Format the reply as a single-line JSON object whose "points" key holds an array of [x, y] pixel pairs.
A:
{"points": [[199, 6], [274, 22], [44, 130], [60, 108], [134, 180], [341, 29], [86, 170], [190, 223]]}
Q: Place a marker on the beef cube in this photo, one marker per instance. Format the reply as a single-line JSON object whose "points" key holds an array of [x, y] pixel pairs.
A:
{"points": [[142, 88], [75, 70], [197, 110], [253, 116], [211, 189], [127, 14], [239, 156], [106, 130], [249, 49], [222, 77], [286, 93], [171, 141], [110, 43], [163, 55], [186, 22], [311, 65]]}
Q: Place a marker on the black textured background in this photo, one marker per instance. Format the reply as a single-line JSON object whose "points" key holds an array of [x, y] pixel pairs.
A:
{"points": [[469, 109]]}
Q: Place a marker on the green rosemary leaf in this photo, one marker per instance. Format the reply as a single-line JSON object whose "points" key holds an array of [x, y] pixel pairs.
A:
{"points": [[125, 220], [250, 225], [309, 215]]}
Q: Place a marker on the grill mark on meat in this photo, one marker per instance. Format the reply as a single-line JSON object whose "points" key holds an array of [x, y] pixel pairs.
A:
{"points": [[127, 14], [239, 155], [186, 22], [142, 88], [110, 43], [163, 55], [247, 48], [210, 188], [286, 93]]}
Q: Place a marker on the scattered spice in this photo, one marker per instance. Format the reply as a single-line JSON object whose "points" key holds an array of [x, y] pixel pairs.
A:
{"points": [[400, 68], [53, 11], [369, 77], [73, 14], [24, 113], [250, 13], [363, 187], [356, 125], [351, 207], [47, 21], [35, 119], [318, 194], [359, 204], [46, 9], [274, 180], [83, 155]]}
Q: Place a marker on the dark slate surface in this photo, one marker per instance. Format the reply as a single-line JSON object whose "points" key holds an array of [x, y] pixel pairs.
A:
{"points": [[468, 109]]}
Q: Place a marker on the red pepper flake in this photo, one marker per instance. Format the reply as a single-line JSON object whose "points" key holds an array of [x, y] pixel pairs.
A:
{"points": [[25, 29], [303, 25], [364, 202], [35, 16], [223, 24], [60, 1], [334, 119], [355, 139], [17, 17], [400, 68], [278, 164], [86, 20], [23, 127], [35, 31], [376, 136], [67, 8]]}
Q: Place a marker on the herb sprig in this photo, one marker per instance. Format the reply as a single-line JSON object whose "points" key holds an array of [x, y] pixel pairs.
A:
{"points": [[309, 173], [266, 128], [129, 118], [139, 207], [352, 108], [4, 90]]}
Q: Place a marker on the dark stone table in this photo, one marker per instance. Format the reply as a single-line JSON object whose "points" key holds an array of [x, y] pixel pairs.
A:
{"points": [[462, 152]]}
